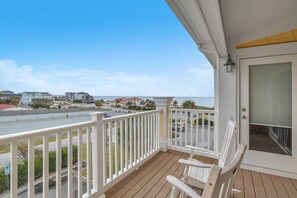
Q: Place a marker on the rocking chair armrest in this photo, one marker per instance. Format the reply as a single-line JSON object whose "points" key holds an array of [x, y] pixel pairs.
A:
{"points": [[181, 186], [202, 151], [194, 163]]}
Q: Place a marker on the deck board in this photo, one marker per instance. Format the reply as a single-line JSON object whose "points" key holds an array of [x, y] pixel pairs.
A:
{"points": [[279, 187], [150, 180], [292, 192], [249, 191], [258, 185], [268, 185]]}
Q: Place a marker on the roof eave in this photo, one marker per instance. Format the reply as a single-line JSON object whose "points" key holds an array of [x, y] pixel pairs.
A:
{"points": [[206, 15]]}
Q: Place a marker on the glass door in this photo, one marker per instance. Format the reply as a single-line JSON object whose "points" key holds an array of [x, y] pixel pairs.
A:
{"points": [[267, 112]]}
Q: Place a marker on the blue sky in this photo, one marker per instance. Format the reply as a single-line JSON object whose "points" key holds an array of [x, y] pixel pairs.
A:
{"points": [[103, 47]]}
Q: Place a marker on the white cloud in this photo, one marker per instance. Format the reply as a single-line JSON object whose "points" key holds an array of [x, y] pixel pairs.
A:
{"points": [[57, 80]]}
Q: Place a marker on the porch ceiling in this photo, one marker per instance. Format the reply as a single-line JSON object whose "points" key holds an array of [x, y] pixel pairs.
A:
{"points": [[219, 25], [253, 19]]}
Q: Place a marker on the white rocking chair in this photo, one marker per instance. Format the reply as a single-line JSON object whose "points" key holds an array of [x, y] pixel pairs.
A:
{"points": [[196, 173], [218, 184]]}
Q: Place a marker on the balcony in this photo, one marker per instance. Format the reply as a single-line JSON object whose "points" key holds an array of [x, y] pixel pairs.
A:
{"points": [[121, 156]]}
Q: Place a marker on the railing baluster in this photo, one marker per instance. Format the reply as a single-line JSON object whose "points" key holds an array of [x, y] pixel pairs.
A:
{"points": [[208, 132], [142, 134], [14, 170], [181, 129], [138, 138], [130, 141], [109, 128], [134, 139], [185, 118], [197, 128], [170, 127], [89, 159], [175, 129], [191, 127], [58, 165], [45, 167], [203, 127], [149, 134], [154, 131], [158, 131], [70, 165], [121, 145], [79, 163], [31, 156], [126, 143], [152, 137], [145, 135], [116, 148]]}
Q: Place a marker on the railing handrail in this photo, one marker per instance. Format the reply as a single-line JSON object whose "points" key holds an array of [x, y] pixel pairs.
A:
{"points": [[4, 139], [131, 115], [194, 110]]}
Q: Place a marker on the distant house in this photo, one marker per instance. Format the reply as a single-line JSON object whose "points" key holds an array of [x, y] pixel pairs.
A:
{"points": [[136, 100], [6, 94], [27, 97], [70, 96], [83, 96], [124, 101]]}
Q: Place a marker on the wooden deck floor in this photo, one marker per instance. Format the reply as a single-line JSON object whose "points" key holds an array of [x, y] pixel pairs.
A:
{"points": [[150, 180]]}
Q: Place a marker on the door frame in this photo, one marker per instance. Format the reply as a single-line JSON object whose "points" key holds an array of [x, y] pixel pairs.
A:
{"points": [[243, 137]]}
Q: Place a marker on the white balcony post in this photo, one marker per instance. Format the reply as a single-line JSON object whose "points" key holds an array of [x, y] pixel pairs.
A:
{"points": [[97, 153], [163, 103]]}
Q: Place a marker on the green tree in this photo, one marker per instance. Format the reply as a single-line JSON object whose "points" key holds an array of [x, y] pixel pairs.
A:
{"points": [[117, 102], [175, 103], [150, 103], [189, 104], [98, 103]]}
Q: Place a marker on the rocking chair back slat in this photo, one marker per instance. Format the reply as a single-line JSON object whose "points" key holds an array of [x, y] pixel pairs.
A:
{"points": [[228, 141]]}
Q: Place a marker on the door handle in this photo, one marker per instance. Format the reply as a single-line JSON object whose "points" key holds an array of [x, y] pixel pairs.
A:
{"points": [[243, 117]]}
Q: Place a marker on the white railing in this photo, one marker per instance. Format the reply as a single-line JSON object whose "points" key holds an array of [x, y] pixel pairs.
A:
{"points": [[111, 148], [130, 140], [50, 140], [192, 127]]}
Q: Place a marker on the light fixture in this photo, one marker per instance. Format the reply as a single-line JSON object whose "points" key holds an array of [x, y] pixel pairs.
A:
{"points": [[229, 64]]}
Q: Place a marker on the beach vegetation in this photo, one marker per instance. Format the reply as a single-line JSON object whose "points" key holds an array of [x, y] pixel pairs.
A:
{"points": [[77, 101]]}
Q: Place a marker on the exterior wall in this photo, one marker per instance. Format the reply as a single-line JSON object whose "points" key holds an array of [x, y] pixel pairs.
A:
{"points": [[226, 98]]}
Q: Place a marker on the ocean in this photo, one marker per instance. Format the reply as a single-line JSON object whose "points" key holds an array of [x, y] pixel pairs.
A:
{"points": [[201, 101]]}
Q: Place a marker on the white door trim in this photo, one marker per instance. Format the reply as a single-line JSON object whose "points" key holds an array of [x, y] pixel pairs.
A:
{"points": [[272, 158]]}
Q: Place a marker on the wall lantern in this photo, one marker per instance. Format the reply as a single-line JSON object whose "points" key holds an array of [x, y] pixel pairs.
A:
{"points": [[229, 65]]}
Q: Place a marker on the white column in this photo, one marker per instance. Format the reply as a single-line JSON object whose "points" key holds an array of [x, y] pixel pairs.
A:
{"points": [[97, 153], [163, 103], [216, 106]]}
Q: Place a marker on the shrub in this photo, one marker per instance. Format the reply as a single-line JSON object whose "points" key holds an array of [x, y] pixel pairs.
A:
{"points": [[23, 167], [52, 161], [38, 167], [3, 180], [77, 101], [22, 173]]}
